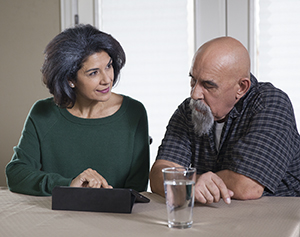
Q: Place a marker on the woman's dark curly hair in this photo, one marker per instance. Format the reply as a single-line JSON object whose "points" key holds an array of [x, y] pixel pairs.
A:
{"points": [[67, 52]]}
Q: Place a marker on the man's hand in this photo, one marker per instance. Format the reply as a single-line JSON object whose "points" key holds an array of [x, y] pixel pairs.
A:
{"points": [[210, 188], [90, 179]]}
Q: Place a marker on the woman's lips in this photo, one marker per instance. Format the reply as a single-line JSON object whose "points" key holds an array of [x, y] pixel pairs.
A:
{"points": [[104, 91]]}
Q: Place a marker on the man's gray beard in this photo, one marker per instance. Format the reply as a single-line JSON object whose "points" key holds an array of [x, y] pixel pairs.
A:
{"points": [[204, 120]]}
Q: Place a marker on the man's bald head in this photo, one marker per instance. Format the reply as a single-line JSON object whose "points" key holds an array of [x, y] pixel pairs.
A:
{"points": [[226, 54]]}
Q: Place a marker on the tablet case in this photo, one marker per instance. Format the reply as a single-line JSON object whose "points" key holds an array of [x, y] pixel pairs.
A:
{"points": [[95, 199]]}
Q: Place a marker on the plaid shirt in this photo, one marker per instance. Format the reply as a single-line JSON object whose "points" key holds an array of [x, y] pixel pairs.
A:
{"points": [[259, 140]]}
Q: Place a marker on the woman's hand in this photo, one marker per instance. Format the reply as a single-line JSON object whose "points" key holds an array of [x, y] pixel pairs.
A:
{"points": [[90, 179]]}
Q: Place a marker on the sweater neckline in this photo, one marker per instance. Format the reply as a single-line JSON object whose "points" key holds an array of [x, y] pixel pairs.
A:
{"points": [[91, 121]]}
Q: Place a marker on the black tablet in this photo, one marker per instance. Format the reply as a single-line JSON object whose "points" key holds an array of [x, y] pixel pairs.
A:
{"points": [[139, 197], [95, 199]]}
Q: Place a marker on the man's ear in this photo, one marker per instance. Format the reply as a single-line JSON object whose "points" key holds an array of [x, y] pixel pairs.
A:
{"points": [[244, 86]]}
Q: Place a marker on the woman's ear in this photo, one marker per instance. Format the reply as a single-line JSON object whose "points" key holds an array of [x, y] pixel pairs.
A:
{"points": [[244, 86], [71, 84]]}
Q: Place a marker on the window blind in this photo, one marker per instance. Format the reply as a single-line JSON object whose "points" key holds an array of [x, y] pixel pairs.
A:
{"points": [[279, 47], [157, 37]]}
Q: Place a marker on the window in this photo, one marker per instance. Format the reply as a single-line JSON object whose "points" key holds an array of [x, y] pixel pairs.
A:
{"points": [[278, 49], [157, 37], [160, 38]]}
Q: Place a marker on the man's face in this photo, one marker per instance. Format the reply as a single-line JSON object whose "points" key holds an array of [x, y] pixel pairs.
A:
{"points": [[212, 84]]}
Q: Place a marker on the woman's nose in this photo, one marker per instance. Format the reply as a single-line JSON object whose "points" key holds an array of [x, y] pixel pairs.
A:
{"points": [[105, 78]]}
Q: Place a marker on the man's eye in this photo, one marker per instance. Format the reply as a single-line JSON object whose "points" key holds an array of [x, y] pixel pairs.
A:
{"points": [[209, 85], [193, 82]]}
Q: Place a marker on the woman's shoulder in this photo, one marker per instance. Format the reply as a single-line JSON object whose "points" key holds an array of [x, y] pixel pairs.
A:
{"points": [[43, 105], [44, 102], [133, 104], [44, 108]]}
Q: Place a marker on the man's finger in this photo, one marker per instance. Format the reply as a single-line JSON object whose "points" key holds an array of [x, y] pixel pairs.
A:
{"points": [[224, 192]]}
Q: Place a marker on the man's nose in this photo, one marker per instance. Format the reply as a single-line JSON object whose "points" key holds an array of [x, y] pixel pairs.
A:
{"points": [[197, 92]]}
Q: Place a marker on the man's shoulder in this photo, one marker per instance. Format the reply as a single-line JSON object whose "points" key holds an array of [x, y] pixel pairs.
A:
{"points": [[185, 104], [264, 96], [269, 94], [265, 90], [182, 114]]}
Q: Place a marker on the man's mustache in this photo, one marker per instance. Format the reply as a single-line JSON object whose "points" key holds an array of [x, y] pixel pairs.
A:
{"points": [[199, 106]]}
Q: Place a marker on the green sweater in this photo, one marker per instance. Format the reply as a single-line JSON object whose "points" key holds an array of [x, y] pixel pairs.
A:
{"points": [[56, 146]]}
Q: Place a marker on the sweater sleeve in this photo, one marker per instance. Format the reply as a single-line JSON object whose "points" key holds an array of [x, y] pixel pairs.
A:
{"points": [[24, 173], [139, 170]]}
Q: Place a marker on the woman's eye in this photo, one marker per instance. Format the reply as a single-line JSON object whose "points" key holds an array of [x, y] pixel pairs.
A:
{"points": [[93, 73], [109, 66]]}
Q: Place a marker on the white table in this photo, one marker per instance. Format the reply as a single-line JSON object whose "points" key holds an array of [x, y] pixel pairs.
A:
{"points": [[22, 215]]}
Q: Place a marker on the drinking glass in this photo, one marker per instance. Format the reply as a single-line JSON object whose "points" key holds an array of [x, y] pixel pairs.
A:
{"points": [[179, 184]]}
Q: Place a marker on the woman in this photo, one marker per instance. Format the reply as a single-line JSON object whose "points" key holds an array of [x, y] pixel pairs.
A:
{"points": [[85, 136]]}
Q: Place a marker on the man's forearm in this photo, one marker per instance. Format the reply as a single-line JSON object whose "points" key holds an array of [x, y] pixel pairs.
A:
{"points": [[156, 180], [156, 176], [244, 188]]}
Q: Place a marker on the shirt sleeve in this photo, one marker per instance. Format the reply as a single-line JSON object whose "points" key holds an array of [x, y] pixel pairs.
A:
{"points": [[176, 145], [266, 150], [24, 173]]}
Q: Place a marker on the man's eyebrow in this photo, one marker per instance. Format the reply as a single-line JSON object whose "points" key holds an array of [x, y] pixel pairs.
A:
{"points": [[207, 82]]}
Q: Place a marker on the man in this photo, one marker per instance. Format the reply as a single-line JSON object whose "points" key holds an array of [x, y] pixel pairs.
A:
{"points": [[240, 134]]}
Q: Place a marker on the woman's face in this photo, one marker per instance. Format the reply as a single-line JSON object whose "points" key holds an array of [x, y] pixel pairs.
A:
{"points": [[95, 78]]}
